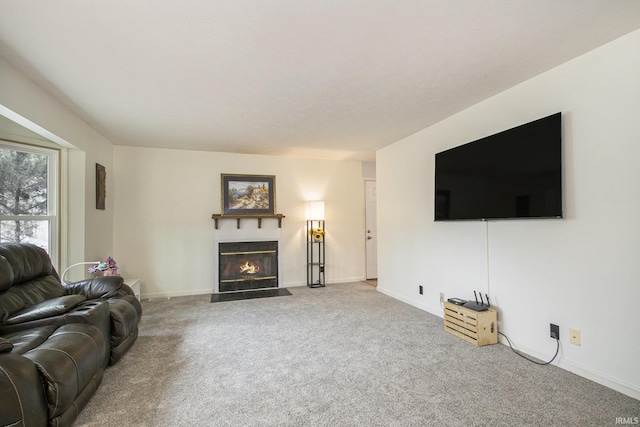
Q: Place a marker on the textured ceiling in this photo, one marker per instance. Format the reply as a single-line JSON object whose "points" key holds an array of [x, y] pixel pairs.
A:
{"points": [[332, 79]]}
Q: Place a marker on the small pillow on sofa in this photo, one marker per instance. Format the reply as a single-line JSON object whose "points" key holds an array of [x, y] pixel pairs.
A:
{"points": [[48, 308], [5, 345]]}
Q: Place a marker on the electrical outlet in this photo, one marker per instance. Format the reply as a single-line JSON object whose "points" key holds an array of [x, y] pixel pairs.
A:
{"points": [[574, 335], [420, 289], [555, 331], [442, 297]]}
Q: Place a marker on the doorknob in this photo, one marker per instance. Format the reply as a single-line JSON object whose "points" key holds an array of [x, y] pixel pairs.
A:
{"points": [[369, 237]]}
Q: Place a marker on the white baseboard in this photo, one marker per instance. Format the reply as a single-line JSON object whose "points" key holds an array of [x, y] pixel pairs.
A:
{"points": [[435, 310], [347, 280], [173, 294], [333, 282], [616, 384], [203, 291]]}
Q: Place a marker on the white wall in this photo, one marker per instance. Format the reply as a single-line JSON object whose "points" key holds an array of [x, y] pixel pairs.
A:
{"points": [[89, 233], [579, 272], [164, 233]]}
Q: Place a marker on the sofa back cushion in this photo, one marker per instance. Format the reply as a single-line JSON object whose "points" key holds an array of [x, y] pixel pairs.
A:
{"points": [[27, 277], [6, 274]]}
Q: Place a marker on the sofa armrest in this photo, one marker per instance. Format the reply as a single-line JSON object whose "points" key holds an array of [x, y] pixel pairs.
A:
{"points": [[126, 290], [95, 312], [98, 287], [23, 400], [45, 309]]}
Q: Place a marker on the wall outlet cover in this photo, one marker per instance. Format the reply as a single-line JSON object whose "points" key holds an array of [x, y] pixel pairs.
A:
{"points": [[574, 335], [555, 331]]}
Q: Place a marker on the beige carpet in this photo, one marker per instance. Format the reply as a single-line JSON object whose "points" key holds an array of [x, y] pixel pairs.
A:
{"points": [[344, 355]]}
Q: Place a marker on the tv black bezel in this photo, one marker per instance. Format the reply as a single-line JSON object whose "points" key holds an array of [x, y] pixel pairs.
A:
{"points": [[438, 193]]}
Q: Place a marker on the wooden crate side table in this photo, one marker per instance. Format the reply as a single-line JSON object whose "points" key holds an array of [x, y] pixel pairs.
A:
{"points": [[476, 327]]}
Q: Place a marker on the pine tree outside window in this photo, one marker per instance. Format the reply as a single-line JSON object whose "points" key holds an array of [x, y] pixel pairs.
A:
{"points": [[28, 196]]}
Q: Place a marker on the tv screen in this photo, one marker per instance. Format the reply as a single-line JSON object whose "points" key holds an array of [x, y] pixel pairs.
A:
{"points": [[512, 174]]}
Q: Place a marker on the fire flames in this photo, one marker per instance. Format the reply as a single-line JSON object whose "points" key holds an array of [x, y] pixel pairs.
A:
{"points": [[249, 268]]}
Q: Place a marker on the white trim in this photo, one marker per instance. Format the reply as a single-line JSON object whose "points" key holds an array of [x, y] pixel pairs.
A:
{"points": [[249, 232], [53, 194], [178, 293], [402, 298], [617, 384], [26, 123]]}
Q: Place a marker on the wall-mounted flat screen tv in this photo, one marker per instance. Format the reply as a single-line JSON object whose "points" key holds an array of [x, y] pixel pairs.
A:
{"points": [[512, 174]]}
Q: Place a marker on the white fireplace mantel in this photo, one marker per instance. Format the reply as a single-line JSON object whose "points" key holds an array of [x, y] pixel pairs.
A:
{"points": [[248, 232], [218, 217]]}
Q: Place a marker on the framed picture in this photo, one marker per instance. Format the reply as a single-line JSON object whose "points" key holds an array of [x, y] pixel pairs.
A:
{"points": [[248, 194], [101, 186]]}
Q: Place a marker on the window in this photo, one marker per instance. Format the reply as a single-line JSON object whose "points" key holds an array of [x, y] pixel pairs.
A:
{"points": [[28, 196]]}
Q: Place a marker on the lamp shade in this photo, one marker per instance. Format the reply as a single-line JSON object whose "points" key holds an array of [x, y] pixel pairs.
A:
{"points": [[316, 210]]}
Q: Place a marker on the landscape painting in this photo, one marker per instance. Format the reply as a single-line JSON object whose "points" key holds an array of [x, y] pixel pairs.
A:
{"points": [[248, 194]]}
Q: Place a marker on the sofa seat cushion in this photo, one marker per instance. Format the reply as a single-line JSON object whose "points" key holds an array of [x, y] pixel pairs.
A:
{"points": [[29, 339], [69, 361], [45, 309]]}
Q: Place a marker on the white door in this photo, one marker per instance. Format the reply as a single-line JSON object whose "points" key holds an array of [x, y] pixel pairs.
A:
{"points": [[371, 234]]}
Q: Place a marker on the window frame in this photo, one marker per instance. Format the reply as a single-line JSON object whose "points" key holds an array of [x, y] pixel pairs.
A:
{"points": [[54, 161]]}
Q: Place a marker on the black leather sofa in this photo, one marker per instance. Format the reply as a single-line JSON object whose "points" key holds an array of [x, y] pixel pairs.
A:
{"points": [[56, 340]]}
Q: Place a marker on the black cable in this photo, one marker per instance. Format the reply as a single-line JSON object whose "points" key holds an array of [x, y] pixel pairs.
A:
{"points": [[531, 360]]}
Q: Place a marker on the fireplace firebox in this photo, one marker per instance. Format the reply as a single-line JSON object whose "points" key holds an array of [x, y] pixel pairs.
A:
{"points": [[247, 265]]}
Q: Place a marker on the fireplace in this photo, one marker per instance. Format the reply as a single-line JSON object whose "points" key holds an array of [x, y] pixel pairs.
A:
{"points": [[247, 265]]}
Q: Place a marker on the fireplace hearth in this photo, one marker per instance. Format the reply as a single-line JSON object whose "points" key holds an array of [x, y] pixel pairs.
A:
{"points": [[247, 266]]}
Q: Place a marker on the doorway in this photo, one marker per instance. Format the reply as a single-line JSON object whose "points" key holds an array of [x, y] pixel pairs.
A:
{"points": [[371, 233]]}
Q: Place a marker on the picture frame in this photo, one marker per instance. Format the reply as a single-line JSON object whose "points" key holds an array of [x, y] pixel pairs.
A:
{"points": [[101, 187], [248, 194]]}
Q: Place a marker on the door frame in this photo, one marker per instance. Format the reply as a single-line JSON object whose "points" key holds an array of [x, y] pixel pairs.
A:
{"points": [[366, 214]]}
